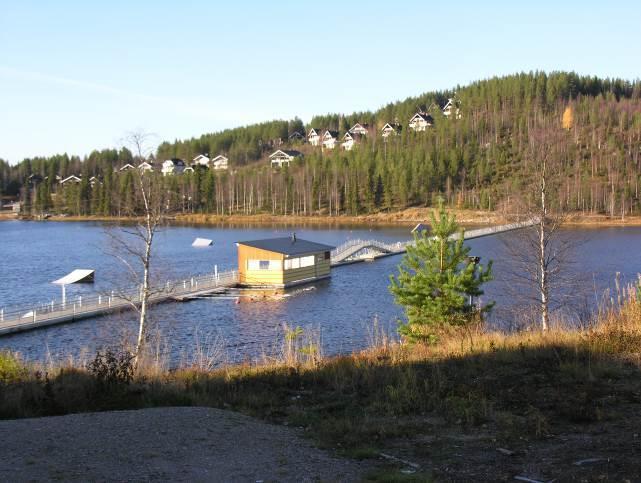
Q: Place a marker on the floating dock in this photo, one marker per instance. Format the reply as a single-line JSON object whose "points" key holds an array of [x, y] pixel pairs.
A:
{"points": [[29, 317]]}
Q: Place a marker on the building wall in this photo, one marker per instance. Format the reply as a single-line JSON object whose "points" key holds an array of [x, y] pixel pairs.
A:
{"points": [[320, 269], [255, 277], [280, 277]]}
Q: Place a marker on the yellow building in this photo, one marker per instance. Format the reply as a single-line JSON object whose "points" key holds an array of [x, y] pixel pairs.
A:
{"points": [[282, 262]]}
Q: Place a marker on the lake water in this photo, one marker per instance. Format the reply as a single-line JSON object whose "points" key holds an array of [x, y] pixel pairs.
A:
{"points": [[341, 310]]}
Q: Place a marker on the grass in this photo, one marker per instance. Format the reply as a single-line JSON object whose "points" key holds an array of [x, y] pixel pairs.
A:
{"points": [[498, 389]]}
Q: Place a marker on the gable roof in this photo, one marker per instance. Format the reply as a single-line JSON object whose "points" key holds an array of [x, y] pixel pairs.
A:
{"points": [[359, 127], [287, 246], [220, 157], [333, 134], [175, 161], [289, 153], [296, 134], [423, 116], [313, 130]]}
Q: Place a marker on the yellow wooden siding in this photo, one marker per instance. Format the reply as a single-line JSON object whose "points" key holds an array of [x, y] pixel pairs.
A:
{"points": [[277, 277]]}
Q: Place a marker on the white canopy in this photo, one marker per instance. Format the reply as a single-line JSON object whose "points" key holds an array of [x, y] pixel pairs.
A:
{"points": [[77, 276], [202, 242]]}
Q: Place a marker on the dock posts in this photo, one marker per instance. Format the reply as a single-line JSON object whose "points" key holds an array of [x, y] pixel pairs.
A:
{"points": [[99, 299], [80, 301], [34, 315]]}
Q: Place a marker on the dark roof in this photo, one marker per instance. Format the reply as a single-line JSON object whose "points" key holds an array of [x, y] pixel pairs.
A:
{"points": [[286, 246]]}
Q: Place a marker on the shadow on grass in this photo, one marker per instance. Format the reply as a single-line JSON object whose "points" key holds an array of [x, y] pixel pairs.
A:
{"points": [[526, 384]]}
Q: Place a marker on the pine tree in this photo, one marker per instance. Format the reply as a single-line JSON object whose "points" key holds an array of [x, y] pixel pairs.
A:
{"points": [[437, 281]]}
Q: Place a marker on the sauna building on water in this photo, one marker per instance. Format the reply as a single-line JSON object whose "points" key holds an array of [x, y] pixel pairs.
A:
{"points": [[282, 262]]}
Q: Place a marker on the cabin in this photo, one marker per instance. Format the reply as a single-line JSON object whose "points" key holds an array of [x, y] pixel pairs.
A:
{"points": [[313, 137], [94, 180], [188, 169], [296, 137], [350, 140], [73, 179], [201, 160], [281, 157], [360, 129], [451, 107], [145, 166], [173, 166], [282, 262], [126, 167], [390, 130], [421, 121], [220, 162], [330, 138]]}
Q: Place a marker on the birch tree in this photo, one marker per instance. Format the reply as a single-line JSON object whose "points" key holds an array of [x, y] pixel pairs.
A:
{"points": [[133, 245]]}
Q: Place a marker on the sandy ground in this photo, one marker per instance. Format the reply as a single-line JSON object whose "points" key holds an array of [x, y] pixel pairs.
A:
{"points": [[163, 444], [408, 217]]}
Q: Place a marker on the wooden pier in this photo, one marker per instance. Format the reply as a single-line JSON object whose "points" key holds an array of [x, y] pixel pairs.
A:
{"points": [[28, 317]]}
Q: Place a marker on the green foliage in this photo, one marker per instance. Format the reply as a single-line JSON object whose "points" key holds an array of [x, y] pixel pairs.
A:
{"points": [[436, 281], [479, 161], [12, 370]]}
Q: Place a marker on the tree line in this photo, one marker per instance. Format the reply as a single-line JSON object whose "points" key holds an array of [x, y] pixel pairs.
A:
{"points": [[479, 161]]}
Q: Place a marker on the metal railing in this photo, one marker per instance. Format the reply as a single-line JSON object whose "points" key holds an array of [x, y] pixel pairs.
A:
{"points": [[93, 304]]}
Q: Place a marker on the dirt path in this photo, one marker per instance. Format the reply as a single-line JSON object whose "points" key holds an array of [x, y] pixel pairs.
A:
{"points": [[167, 444]]}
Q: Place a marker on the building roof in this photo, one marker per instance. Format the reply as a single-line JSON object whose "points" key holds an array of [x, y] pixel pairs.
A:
{"points": [[290, 153], [287, 245]]}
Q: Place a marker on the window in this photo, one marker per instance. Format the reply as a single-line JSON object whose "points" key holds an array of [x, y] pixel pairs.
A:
{"points": [[307, 261], [292, 263], [263, 265]]}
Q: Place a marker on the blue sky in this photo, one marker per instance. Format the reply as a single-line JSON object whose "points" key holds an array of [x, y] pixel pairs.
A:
{"points": [[75, 76]]}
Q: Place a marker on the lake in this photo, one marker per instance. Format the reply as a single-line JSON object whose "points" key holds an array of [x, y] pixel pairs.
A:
{"points": [[341, 310]]}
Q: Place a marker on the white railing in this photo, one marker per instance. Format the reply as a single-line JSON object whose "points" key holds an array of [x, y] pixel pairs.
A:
{"points": [[354, 247], [93, 304]]}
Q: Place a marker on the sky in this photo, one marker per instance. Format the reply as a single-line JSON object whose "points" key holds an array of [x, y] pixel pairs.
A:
{"points": [[77, 76]]}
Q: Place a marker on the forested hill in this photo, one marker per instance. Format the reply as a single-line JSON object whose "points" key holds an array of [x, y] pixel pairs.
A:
{"points": [[484, 157]]}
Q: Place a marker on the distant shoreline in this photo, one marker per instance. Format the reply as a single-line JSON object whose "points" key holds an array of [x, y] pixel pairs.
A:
{"points": [[408, 217]]}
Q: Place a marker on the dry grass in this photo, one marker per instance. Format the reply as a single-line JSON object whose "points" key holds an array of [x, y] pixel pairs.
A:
{"points": [[524, 385]]}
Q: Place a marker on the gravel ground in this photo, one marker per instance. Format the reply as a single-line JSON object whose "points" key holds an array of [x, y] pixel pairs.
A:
{"points": [[170, 444]]}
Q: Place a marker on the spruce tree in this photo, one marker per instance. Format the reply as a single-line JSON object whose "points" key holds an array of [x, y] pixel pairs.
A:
{"points": [[437, 281]]}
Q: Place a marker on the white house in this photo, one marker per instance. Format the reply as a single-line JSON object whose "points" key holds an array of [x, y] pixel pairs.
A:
{"points": [[173, 166], [451, 107], [145, 166], [313, 137], [390, 130], [220, 162], [126, 167], [280, 157], [330, 138], [94, 180], [421, 121], [201, 160], [71, 179], [350, 140], [360, 129]]}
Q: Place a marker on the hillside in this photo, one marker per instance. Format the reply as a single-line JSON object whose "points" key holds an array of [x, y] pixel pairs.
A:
{"points": [[483, 160]]}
